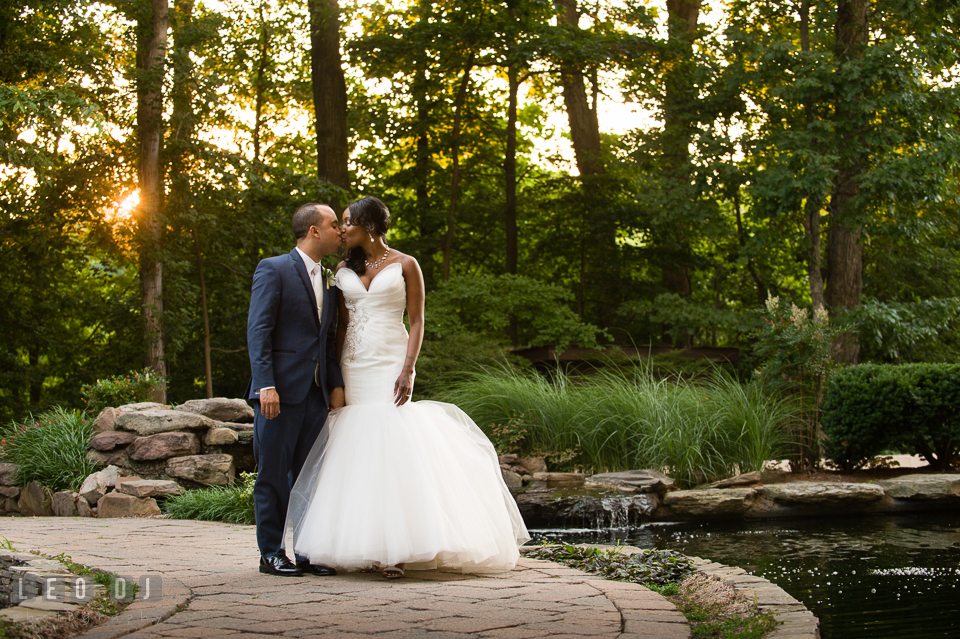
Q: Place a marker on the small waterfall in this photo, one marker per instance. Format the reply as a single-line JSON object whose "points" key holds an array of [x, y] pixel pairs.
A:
{"points": [[623, 512]]}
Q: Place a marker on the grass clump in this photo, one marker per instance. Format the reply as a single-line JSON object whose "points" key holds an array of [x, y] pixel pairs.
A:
{"points": [[230, 504], [50, 448], [625, 418]]}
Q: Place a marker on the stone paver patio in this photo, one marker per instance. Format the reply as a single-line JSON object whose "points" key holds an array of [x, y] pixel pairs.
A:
{"points": [[212, 588]]}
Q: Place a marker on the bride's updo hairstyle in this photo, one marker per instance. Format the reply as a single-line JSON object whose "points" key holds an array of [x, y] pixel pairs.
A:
{"points": [[372, 214]]}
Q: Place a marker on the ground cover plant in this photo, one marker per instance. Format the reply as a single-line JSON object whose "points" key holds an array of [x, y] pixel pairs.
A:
{"points": [[231, 504], [674, 576], [135, 386], [50, 448], [625, 418]]}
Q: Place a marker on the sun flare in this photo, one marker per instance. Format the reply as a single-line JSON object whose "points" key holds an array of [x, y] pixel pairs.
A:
{"points": [[122, 209]]}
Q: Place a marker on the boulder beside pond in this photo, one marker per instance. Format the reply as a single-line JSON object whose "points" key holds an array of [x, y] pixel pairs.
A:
{"points": [[821, 493], [922, 487]]}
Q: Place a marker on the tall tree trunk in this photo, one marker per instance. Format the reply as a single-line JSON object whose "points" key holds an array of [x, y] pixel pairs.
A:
{"points": [[678, 110], [510, 172], [844, 251], [35, 375], [455, 169], [260, 86], [180, 147], [152, 44], [329, 95], [584, 125], [428, 223], [811, 209], [207, 363]]}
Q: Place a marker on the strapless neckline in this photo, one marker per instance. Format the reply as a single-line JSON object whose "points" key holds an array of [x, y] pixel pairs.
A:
{"points": [[367, 288]]}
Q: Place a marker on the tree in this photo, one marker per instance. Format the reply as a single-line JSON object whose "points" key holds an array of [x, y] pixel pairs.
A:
{"points": [[152, 24], [329, 96]]}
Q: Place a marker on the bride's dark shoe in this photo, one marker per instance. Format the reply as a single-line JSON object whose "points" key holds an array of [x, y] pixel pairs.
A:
{"points": [[280, 566], [315, 569]]}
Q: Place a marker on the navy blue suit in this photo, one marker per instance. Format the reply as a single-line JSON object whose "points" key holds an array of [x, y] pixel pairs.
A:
{"points": [[294, 351]]}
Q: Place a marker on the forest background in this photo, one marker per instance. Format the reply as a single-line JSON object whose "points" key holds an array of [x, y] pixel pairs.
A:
{"points": [[151, 153]]}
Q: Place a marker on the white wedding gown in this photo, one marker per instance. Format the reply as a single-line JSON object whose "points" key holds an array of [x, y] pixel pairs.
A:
{"points": [[418, 484]]}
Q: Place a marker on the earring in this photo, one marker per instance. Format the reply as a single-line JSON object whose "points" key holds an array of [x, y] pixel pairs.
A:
{"points": [[370, 235]]}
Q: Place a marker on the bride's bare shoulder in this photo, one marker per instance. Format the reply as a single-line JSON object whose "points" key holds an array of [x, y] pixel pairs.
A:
{"points": [[340, 266], [407, 261]]}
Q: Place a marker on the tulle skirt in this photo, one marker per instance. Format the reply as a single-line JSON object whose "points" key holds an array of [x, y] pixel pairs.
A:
{"points": [[418, 484]]}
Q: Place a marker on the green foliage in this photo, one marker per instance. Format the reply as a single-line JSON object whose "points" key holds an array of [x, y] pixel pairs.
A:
{"points": [[795, 351], [655, 567], [624, 418], [231, 504], [907, 330], [50, 449], [135, 386], [874, 407]]}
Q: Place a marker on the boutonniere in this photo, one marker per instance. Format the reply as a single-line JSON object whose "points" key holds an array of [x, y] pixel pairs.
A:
{"points": [[328, 278]]}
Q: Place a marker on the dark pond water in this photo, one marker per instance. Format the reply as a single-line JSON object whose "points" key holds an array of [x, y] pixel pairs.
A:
{"points": [[871, 577]]}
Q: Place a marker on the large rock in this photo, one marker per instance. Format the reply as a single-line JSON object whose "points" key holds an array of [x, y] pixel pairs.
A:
{"points": [[106, 420], [142, 406], [533, 465], [83, 508], [120, 505], [511, 479], [821, 493], [210, 470], [35, 500], [65, 503], [150, 488], [220, 409], [710, 503], [220, 437], [97, 484], [8, 474], [108, 440], [922, 487], [151, 422], [645, 481], [740, 481], [163, 446], [111, 458], [10, 492], [561, 480]]}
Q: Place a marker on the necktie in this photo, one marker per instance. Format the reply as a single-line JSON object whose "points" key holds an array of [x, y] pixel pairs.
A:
{"points": [[316, 276]]}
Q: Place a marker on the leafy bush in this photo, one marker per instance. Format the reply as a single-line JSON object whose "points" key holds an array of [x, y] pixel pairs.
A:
{"points": [[136, 386], [624, 418], [874, 407], [231, 504], [796, 354], [50, 449]]}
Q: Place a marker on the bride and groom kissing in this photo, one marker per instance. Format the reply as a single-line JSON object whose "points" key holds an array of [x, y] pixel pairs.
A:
{"points": [[365, 478]]}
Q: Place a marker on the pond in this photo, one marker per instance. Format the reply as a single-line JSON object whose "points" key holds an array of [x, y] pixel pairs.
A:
{"points": [[869, 577]]}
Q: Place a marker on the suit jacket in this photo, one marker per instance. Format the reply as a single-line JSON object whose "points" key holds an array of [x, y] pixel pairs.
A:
{"points": [[289, 345]]}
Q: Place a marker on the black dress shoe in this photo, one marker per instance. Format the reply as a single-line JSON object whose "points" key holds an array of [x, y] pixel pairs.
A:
{"points": [[315, 569], [279, 565]]}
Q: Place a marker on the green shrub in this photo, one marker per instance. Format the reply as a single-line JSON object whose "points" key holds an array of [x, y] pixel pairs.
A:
{"points": [[50, 449], [136, 386], [911, 407], [231, 504], [623, 418]]}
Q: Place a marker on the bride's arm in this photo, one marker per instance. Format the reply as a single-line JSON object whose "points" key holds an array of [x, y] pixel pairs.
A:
{"points": [[415, 299]]}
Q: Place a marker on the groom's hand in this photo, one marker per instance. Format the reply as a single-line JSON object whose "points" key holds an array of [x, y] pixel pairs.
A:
{"points": [[270, 403], [336, 398]]}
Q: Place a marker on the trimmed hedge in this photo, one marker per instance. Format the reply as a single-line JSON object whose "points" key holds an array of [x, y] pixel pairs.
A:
{"points": [[910, 407]]}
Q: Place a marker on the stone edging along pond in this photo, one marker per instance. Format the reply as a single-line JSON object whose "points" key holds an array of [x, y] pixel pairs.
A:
{"points": [[620, 499]]}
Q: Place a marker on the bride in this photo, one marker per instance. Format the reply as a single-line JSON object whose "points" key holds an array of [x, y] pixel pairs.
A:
{"points": [[391, 483]]}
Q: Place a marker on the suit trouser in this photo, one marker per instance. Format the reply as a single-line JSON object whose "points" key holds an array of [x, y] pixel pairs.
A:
{"points": [[280, 447]]}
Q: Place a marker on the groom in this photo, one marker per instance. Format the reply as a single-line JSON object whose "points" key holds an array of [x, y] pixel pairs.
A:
{"points": [[291, 338]]}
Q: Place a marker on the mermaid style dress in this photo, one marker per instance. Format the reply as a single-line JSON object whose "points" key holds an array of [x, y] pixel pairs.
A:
{"points": [[418, 484]]}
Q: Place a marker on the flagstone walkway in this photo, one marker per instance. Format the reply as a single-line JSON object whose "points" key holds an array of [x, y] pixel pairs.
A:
{"points": [[211, 588]]}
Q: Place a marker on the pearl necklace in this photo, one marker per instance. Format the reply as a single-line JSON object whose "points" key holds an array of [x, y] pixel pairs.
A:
{"points": [[377, 263]]}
